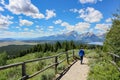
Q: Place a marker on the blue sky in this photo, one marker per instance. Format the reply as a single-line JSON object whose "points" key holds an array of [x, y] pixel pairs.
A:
{"points": [[36, 18]]}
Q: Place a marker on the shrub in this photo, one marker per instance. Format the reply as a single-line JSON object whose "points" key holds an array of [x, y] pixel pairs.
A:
{"points": [[48, 75]]}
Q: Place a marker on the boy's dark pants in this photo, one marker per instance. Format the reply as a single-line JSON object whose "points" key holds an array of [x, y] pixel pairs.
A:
{"points": [[81, 58]]}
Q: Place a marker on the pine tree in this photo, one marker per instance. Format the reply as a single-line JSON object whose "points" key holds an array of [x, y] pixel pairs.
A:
{"points": [[112, 42]]}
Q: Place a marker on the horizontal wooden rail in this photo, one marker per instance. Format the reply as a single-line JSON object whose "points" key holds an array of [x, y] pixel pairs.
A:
{"points": [[62, 61], [115, 65], [41, 70], [115, 55], [11, 65], [114, 60], [56, 63]]}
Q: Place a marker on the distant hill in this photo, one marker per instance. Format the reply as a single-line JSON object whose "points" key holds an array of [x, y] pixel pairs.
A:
{"points": [[7, 39]]}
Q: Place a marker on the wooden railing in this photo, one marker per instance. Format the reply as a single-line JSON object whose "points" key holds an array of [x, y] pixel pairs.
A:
{"points": [[115, 58], [25, 76]]}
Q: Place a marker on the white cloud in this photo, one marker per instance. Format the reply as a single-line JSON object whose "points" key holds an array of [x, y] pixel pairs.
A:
{"points": [[37, 26], [24, 7], [5, 21], [26, 29], [57, 21], [79, 27], [1, 8], [24, 34], [74, 10], [108, 20], [103, 27], [19, 28], [31, 30], [25, 22], [2, 2], [50, 14], [50, 27], [88, 1], [65, 24], [89, 14]]}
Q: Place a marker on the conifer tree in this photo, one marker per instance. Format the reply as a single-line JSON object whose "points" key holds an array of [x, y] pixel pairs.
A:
{"points": [[112, 42]]}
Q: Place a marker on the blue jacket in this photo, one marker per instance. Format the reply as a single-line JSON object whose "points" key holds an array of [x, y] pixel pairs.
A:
{"points": [[81, 53]]}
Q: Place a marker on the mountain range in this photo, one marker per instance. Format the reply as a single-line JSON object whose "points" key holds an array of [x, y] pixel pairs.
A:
{"points": [[73, 35]]}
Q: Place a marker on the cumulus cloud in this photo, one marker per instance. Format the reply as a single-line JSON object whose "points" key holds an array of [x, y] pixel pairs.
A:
{"points": [[79, 27], [50, 27], [24, 34], [1, 8], [108, 20], [24, 7], [26, 29], [103, 27], [5, 21], [89, 14], [57, 21], [74, 10], [37, 26], [2, 2], [50, 14], [25, 22], [88, 1]]}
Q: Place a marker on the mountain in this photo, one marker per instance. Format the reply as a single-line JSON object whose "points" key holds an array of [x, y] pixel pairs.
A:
{"points": [[65, 36], [73, 35], [102, 36], [90, 37]]}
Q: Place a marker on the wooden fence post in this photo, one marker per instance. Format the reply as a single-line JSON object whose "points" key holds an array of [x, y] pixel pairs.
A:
{"points": [[67, 57], [24, 71], [73, 54], [56, 64], [115, 58]]}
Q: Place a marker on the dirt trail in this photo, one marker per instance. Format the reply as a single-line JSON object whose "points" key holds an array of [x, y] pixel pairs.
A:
{"points": [[77, 71]]}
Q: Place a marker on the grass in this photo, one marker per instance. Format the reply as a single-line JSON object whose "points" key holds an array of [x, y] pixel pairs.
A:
{"points": [[15, 72]]}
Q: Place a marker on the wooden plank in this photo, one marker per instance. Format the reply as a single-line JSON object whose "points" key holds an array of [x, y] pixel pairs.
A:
{"points": [[115, 65], [115, 55], [62, 60], [11, 65], [38, 59]]}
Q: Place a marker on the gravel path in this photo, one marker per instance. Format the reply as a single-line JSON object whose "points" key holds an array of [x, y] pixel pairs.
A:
{"points": [[77, 71]]}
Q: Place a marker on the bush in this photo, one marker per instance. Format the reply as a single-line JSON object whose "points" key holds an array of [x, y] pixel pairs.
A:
{"points": [[103, 71], [48, 75], [101, 68], [39, 54], [93, 55]]}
